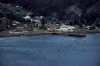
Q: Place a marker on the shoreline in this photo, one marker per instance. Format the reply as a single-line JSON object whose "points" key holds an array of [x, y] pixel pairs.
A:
{"points": [[30, 33]]}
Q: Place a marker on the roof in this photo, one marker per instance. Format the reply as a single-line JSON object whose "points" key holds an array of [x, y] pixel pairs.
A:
{"points": [[67, 26], [27, 17], [64, 26]]}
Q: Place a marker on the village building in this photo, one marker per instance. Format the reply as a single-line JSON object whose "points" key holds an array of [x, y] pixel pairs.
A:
{"points": [[20, 28], [90, 27], [27, 17], [15, 23], [66, 28], [39, 24], [52, 27]]}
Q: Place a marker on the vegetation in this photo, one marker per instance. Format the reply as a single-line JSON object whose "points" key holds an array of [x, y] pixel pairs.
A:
{"points": [[72, 12], [12, 12], [84, 10]]}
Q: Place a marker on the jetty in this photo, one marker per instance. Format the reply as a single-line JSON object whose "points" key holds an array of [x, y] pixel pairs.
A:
{"points": [[77, 35]]}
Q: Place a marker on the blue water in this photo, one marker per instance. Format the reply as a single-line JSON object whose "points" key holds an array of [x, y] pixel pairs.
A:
{"points": [[50, 50]]}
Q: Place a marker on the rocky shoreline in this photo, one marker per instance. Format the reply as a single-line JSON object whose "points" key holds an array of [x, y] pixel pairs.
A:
{"points": [[7, 34], [30, 33]]}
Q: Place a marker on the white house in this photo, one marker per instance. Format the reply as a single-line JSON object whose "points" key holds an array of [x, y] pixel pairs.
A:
{"points": [[66, 28], [27, 17]]}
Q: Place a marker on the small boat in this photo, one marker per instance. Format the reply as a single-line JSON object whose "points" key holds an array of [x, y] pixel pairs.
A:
{"points": [[77, 35]]}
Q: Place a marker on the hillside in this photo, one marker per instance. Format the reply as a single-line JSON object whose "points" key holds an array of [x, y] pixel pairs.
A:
{"points": [[84, 10]]}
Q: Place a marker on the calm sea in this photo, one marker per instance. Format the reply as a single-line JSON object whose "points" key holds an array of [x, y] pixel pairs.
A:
{"points": [[50, 50]]}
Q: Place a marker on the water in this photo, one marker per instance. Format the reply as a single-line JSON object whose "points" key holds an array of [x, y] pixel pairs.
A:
{"points": [[50, 50]]}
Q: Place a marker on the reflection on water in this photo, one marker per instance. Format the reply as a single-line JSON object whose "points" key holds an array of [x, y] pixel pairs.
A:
{"points": [[50, 50]]}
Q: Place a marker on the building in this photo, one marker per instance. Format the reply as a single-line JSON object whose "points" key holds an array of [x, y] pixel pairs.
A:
{"points": [[15, 23], [52, 27], [66, 28], [27, 17]]}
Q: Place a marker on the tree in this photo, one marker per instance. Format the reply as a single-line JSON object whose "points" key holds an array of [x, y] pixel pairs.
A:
{"points": [[97, 22], [3, 23], [43, 22]]}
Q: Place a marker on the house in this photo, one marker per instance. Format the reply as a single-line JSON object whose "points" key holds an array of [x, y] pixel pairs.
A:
{"points": [[51, 27], [66, 28], [20, 28], [91, 27], [27, 17], [15, 23]]}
